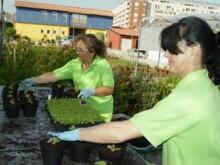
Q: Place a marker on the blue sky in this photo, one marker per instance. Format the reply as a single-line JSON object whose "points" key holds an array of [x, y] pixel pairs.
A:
{"points": [[96, 4]]}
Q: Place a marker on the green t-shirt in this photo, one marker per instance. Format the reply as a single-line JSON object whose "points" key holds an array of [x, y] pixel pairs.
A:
{"points": [[187, 122], [99, 74]]}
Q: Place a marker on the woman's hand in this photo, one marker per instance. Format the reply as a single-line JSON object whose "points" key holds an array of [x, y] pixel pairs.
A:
{"points": [[86, 93], [73, 135], [27, 83]]}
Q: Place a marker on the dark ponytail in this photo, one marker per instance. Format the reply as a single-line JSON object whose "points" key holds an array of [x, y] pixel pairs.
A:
{"points": [[213, 62]]}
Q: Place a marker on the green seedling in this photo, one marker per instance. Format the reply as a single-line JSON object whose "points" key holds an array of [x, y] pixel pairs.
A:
{"points": [[53, 140], [70, 112], [100, 163], [113, 148], [12, 101], [72, 127]]}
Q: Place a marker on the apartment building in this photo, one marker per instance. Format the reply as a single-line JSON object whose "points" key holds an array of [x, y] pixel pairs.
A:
{"points": [[128, 13], [163, 8]]}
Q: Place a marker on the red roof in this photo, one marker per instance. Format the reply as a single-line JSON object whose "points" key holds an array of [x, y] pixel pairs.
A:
{"points": [[79, 10], [125, 32]]}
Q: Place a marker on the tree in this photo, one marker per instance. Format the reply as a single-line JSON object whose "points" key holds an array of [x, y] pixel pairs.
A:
{"points": [[10, 33]]}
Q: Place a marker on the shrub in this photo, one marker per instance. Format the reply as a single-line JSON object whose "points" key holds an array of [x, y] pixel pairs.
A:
{"points": [[133, 94], [22, 60]]}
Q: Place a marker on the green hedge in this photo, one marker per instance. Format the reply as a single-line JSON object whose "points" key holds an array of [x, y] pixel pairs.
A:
{"points": [[133, 94], [22, 60]]}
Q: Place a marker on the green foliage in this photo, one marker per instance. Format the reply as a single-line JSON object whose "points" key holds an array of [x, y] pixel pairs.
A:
{"points": [[148, 163], [58, 38], [50, 58], [113, 148], [22, 60], [53, 140], [70, 112], [8, 24], [100, 36], [133, 94], [100, 163], [10, 33]]}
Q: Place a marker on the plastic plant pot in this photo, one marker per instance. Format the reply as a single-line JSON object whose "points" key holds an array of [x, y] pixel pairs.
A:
{"points": [[57, 90], [29, 109], [71, 93], [52, 153], [12, 110], [115, 156], [141, 145], [80, 151]]}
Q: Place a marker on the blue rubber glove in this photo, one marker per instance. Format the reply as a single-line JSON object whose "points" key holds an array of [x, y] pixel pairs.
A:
{"points": [[86, 93], [73, 135], [27, 82]]}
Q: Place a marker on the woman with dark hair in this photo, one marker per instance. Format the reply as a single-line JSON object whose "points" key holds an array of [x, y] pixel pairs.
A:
{"points": [[187, 121], [90, 72]]}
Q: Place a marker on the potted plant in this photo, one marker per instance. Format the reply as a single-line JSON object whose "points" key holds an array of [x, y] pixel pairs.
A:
{"points": [[30, 106], [79, 151], [139, 144], [57, 90], [52, 151], [71, 93], [6, 98], [28, 103], [68, 112], [12, 108], [25, 93], [102, 162], [10, 87], [111, 152]]}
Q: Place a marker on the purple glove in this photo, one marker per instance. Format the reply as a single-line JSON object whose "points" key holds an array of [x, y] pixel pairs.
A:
{"points": [[86, 93]]}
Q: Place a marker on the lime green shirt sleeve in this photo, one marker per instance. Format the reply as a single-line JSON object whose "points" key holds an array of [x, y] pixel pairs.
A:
{"points": [[107, 78], [65, 72], [168, 118]]}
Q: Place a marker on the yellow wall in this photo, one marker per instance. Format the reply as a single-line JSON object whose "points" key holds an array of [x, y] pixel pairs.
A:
{"points": [[94, 31], [34, 31]]}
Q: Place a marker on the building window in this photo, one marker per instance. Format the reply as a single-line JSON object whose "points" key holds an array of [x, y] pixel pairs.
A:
{"points": [[83, 19], [63, 32], [42, 31], [79, 19], [136, 10], [211, 7], [54, 17], [48, 31], [54, 32], [44, 16], [188, 4], [64, 18]]}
